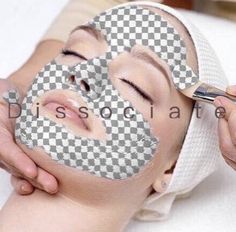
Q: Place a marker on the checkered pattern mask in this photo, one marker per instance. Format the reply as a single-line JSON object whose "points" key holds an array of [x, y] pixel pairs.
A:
{"points": [[12, 96], [130, 144]]}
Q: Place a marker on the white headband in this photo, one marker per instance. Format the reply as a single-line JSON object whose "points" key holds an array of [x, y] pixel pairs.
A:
{"points": [[200, 151]]}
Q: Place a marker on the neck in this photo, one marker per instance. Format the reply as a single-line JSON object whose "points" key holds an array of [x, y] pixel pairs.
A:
{"points": [[84, 218], [43, 212], [101, 205]]}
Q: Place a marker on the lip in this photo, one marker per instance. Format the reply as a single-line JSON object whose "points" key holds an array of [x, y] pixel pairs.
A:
{"points": [[62, 107], [70, 112]]}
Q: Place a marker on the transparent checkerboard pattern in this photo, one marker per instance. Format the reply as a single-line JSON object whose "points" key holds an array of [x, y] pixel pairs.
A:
{"points": [[130, 144], [184, 76], [127, 26], [12, 96]]}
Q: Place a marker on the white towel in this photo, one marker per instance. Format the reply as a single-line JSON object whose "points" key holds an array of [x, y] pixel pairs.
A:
{"points": [[212, 207]]}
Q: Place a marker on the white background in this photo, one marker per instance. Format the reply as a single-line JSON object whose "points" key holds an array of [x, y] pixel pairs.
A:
{"points": [[212, 206]]}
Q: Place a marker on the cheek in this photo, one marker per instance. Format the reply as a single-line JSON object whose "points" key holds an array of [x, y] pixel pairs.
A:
{"points": [[163, 127], [89, 188], [137, 102]]}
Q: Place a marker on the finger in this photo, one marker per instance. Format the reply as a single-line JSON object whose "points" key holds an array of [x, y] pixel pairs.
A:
{"points": [[226, 145], [45, 181], [4, 167], [21, 186], [230, 163], [227, 104], [33, 182], [14, 156], [11, 170], [231, 90], [232, 126]]}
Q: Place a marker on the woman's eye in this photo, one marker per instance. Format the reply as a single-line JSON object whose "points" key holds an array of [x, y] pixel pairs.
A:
{"points": [[138, 90], [67, 52]]}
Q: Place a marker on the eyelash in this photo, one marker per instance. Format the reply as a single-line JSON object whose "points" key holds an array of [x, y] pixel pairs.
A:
{"points": [[138, 90], [66, 52]]}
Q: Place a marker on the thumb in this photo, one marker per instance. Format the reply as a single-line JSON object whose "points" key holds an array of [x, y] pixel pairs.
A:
{"points": [[21, 186], [227, 104], [12, 155]]}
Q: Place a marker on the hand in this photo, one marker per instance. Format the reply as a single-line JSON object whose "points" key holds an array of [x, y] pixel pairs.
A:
{"points": [[25, 174], [227, 128]]}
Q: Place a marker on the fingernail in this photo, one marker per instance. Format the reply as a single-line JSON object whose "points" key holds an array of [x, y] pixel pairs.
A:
{"points": [[25, 188], [50, 189]]}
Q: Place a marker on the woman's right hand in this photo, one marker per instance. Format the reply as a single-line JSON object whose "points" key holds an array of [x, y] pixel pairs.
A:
{"points": [[227, 128], [25, 174]]}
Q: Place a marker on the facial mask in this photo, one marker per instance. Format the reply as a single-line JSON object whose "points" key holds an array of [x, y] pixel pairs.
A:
{"points": [[12, 96], [130, 144]]}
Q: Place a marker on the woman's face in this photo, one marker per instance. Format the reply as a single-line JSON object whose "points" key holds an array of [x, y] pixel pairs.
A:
{"points": [[141, 78]]}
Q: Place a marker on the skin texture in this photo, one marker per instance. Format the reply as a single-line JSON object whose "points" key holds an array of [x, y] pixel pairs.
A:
{"points": [[25, 174], [89, 203], [94, 199], [227, 128]]}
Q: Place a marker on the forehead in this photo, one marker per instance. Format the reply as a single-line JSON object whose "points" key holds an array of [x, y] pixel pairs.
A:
{"points": [[133, 24], [127, 26]]}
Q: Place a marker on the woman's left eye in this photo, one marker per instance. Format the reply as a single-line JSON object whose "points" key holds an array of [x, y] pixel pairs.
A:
{"points": [[67, 52], [138, 90]]}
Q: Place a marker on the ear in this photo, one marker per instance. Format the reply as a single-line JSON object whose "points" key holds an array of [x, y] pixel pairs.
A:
{"points": [[163, 181]]}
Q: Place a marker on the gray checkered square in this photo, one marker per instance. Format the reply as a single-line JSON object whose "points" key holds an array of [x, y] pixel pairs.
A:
{"points": [[130, 144], [12, 96], [184, 77], [141, 26]]}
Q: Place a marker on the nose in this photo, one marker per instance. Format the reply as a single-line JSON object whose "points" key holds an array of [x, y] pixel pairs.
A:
{"points": [[91, 77], [84, 85], [71, 79]]}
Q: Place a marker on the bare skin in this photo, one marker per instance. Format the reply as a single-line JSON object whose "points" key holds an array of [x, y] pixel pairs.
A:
{"points": [[88, 203], [227, 128], [25, 174]]}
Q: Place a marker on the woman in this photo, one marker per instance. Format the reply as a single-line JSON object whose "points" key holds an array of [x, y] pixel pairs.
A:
{"points": [[102, 204], [13, 159]]}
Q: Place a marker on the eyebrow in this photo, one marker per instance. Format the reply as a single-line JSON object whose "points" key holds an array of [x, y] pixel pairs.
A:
{"points": [[144, 56], [90, 30]]}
